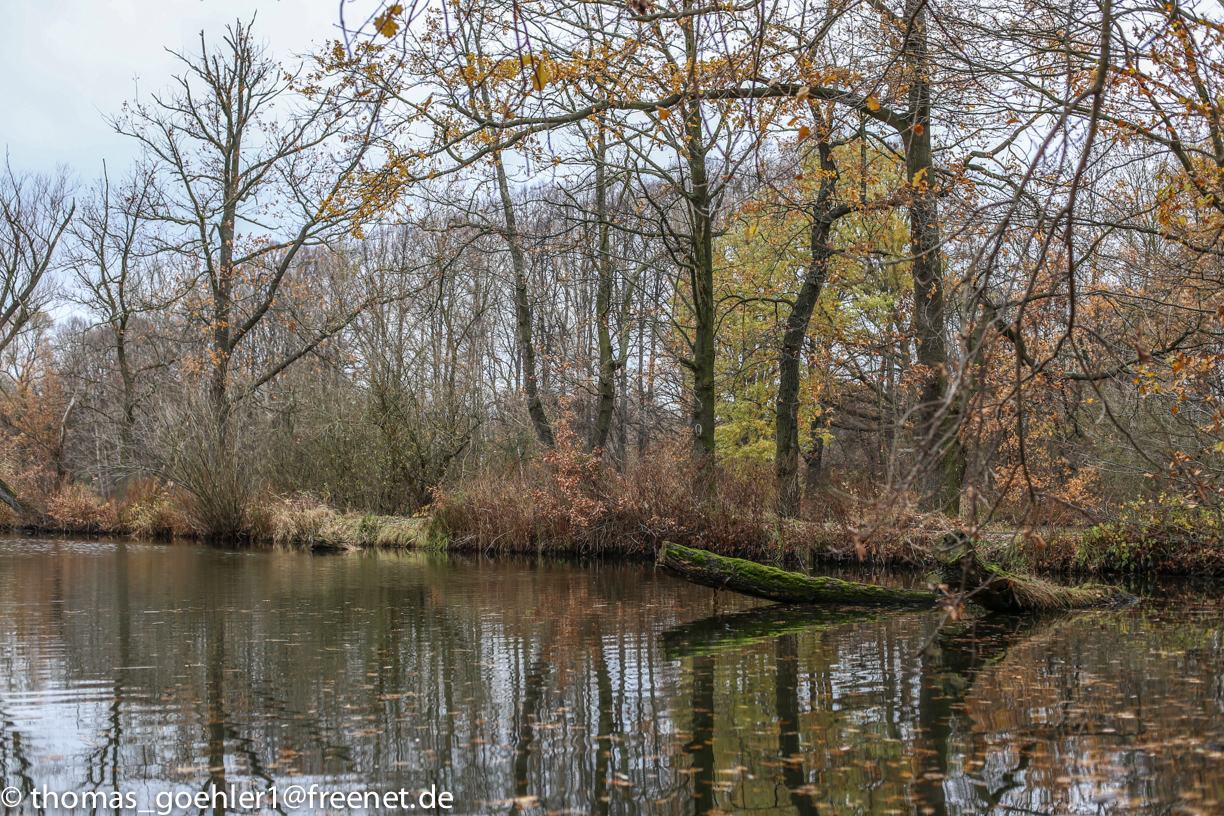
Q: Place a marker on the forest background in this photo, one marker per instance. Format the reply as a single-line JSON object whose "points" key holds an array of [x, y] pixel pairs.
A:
{"points": [[775, 277]]}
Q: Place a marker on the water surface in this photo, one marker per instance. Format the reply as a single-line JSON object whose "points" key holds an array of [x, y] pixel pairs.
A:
{"points": [[566, 688]]}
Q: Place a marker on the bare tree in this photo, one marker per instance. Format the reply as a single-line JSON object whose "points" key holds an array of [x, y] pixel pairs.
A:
{"points": [[252, 171], [120, 278], [36, 211]]}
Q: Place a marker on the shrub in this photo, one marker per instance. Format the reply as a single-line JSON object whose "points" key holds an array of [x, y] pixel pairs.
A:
{"points": [[1167, 534], [78, 509], [151, 512], [569, 501]]}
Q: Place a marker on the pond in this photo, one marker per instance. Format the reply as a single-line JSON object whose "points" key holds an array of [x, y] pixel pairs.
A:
{"points": [[160, 674]]}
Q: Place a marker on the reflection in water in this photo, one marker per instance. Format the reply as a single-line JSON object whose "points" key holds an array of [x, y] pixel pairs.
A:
{"points": [[555, 688]]}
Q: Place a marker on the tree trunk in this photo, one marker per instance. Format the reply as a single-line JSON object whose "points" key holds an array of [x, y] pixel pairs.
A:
{"points": [[522, 313], [760, 581], [223, 282], [603, 303], [990, 586], [10, 497], [815, 462], [786, 458], [701, 279], [1002, 591], [824, 215], [127, 426], [938, 424]]}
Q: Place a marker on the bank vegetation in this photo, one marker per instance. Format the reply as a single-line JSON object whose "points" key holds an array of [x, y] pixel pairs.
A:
{"points": [[785, 279]]}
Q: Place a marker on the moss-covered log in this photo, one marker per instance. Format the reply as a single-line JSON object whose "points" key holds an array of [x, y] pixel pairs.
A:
{"points": [[992, 587], [1001, 591], [760, 581]]}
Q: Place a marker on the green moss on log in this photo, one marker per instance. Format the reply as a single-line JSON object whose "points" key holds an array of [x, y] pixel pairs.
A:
{"points": [[761, 581], [992, 587]]}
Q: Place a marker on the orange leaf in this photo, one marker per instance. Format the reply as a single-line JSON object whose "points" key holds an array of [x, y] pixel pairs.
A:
{"points": [[662, 113], [541, 73], [873, 104], [918, 130], [385, 23], [804, 132], [803, 93]]}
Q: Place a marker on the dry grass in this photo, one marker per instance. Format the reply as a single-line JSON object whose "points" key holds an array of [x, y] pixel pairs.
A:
{"points": [[302, 520], [570, 503], [285, 521], [1038, 595], [77, 509], [150, 510]]}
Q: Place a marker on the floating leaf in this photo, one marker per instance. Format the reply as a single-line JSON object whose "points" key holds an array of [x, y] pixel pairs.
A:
{"points": [[802, 94], [873, 104], [804, 132], [918, 129], [662, 113]]}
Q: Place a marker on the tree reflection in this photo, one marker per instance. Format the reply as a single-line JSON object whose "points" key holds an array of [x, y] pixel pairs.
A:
{"points": [[565, 688]]}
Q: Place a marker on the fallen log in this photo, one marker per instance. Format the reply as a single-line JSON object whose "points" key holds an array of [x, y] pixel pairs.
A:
{"points": [[992, 587], [771, 583], [1001, 591]]}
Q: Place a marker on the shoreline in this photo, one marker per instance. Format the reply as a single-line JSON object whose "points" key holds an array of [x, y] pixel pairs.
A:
{"points": [[795, 544]]}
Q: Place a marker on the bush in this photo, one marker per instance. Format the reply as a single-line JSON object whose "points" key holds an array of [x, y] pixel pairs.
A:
{"points": [[569, 501], [1167, 534], [77, 509]]}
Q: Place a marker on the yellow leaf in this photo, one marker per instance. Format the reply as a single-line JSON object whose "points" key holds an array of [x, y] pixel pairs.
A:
{"points": [[385, 23], [917, 179], [542, 76], [541, 73], [803, 93], [751, 231], [873, 104]]}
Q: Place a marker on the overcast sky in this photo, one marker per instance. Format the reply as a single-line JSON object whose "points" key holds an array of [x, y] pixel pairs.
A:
{"points": [[65, 64]]}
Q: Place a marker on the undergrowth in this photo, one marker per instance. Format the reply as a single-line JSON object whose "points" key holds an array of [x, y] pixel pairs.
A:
{"points": [[570, 502], [1168, 535]]}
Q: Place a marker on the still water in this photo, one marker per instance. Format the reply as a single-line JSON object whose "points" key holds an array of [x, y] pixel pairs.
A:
{"points": [[534, 688]]}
